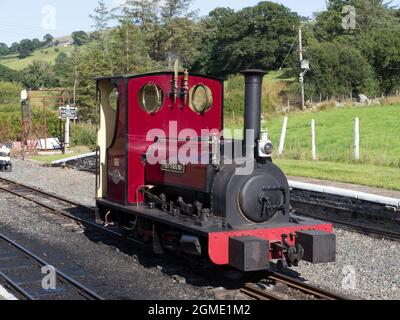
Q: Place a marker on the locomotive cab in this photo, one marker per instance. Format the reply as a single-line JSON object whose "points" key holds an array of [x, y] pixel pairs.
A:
{"points": [[168, 176]]}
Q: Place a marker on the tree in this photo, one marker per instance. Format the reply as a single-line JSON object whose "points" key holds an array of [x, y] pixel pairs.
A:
{"points": [[337, 70], [101, 16], [48, 38], [255, 37], [370, 15], [36, 43], [9, 75], [25, 48], [95, 36], [382, 50], [176, 40], [80, 38], [62, 70], [376, 35], [142, 13], [38, 74], [14, 47], [128, 50], [3, 49], [175, 33], [175, 8]]}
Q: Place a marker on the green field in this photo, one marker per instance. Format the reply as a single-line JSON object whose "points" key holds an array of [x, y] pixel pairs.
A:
{"points": [[361, 174], [380, 144], [379, 165], [42, 54]]}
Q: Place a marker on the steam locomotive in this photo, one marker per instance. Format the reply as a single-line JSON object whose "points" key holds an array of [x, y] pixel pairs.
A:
{"points": [[166, 174]]}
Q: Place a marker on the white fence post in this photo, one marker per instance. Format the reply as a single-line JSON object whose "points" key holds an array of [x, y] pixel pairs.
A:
{"points": [[283, 137], [314, 147], [357, 139]]}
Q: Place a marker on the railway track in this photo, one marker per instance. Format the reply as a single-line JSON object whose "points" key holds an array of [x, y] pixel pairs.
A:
{"points": [[22, 273], [293, 287], [78, 213], [85, 216]]}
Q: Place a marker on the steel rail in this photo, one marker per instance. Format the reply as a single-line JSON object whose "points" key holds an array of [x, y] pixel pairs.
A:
{"points": [[84, 222], [17, 184], [305, 287], [16, 286], [253, 291], [83, 290]]}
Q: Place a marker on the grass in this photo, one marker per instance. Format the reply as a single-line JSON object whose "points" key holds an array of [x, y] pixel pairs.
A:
{"points": [[369, 175], [54, 157], [76, 151], [380, 145], [42, 54]]}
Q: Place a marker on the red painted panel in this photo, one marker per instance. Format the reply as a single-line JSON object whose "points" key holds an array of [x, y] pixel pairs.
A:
{"points": [[140, 122], [218, 243], [116, 163], [195, 177]]}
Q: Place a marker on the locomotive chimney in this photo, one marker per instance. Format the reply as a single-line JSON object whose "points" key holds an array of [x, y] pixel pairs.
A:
{"points": [[252, 104]]}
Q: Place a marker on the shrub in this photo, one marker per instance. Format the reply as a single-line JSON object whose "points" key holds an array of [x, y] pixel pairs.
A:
{"points": [[9, 93], [84, 135]]}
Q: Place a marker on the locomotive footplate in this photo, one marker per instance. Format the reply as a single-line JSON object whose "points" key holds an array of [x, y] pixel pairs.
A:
{"points": [[219, 239]]}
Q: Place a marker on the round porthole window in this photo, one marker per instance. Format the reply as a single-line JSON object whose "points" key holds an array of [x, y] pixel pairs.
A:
{"points": [[151, 98], [200, 98]]}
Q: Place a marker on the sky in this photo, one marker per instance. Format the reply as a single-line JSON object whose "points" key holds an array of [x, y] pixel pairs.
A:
{"points": [[21, 19]]}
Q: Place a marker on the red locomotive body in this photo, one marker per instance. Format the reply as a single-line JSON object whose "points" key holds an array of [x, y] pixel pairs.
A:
{"points": [[164, 174]]}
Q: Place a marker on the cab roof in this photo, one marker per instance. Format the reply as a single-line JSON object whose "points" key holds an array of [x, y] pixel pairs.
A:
{"points": [[140, 75]]}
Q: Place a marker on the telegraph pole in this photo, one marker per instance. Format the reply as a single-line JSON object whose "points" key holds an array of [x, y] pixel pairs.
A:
{"points": [[305, 66], [301, 44], [301, 74]]}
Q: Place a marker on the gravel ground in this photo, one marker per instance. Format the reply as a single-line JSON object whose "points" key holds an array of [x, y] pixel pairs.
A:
{"points": [[106, 269], [72, 184], [373, 264], [366, 268]]}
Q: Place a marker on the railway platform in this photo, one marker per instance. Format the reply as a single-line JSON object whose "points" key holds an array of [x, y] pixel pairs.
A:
{"points": [[348, 186]]}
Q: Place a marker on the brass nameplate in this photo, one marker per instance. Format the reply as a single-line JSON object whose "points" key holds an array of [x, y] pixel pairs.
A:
{"points": [[173, 167]]}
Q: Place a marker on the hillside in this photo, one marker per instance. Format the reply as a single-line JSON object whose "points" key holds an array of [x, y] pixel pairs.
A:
{"points": [[274, 83], [43, 54]]}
